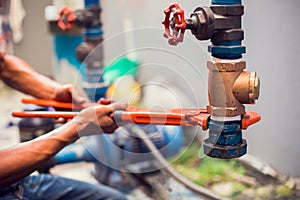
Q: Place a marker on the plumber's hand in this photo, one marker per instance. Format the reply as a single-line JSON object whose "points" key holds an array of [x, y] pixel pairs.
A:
{"points": [[96, 119], [68, 93]]}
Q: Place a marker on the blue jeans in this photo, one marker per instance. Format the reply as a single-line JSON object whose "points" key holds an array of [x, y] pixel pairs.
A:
{"points": [[50, 187]]}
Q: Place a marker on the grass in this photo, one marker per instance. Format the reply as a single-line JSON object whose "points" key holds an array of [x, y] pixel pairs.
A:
{"points": [[206, 171], [283, 191], [227, 177]]}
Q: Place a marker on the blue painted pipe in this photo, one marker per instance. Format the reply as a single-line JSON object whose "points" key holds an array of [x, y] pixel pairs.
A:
{"points": [[231, 49], [93, 31], [89, 3], [108, 152], [226, 2], [75, 152], [94, 87]]}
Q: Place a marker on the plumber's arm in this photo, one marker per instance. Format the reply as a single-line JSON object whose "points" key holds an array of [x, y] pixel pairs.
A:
{"points": [[19, 75]]}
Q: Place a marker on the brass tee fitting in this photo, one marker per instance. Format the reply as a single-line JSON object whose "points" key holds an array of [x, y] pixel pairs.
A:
{"points": [[229, 87]]}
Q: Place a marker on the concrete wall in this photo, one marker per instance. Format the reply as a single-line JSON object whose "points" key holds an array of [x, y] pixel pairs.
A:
{"points": [[36, 47], [272, 40]]}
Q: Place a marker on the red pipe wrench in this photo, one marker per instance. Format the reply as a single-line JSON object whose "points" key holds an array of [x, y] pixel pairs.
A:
{"points": [[178, 117]]}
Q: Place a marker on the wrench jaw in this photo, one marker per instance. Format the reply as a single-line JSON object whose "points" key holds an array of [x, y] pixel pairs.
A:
{"points": [[201, 119]]}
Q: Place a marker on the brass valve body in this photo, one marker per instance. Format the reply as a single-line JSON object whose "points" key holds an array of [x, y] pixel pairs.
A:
{"points": [[229, 87]]}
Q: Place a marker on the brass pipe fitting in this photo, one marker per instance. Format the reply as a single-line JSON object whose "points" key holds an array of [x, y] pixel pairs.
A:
{"points": [[229, 87], [246, 88]]}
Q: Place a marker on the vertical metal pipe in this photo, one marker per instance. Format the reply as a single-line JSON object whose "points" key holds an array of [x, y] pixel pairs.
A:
{"points": [[93, 36], [225, 134]]}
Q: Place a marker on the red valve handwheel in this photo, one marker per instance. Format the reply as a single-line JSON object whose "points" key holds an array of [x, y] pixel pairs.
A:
{"points": [[66, 18], [180, 24]]}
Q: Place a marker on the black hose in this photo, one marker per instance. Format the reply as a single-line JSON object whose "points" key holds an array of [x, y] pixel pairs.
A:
{"points": [[168, 167]]}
